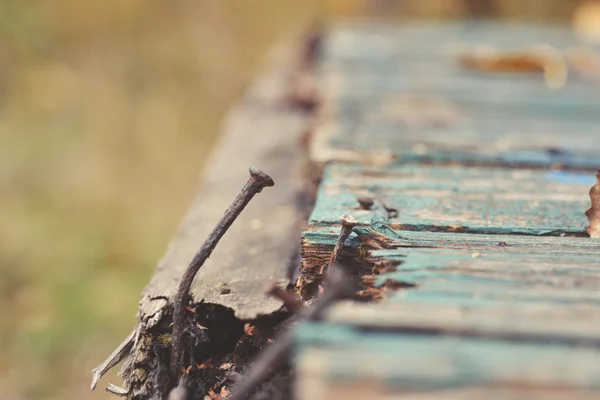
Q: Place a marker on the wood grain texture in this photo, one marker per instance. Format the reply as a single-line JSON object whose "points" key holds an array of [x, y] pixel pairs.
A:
{"points": [[429, 130], [339, 354], [261, 243], [458, 199], [398, 93], [479, 270], [311, 386], [522, 310], [465, 88], [486, 284], [368, 42], [529, 321]]}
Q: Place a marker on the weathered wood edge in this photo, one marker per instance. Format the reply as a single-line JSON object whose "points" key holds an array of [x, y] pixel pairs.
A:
{"points": [[263, 129], [260, 245]]}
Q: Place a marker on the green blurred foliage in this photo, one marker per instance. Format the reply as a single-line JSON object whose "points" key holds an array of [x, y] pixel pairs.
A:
{"points": [[107, 112]]}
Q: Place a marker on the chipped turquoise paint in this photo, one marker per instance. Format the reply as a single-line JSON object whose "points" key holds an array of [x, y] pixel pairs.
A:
{"points": [[499, 276], [477, 295], [550, 260], [521, 158], [494, 118], [422, 277], [508, 94], [398, 360], [476, 200], [380, 226], [384, 229], [367, 44], [457, 299], [329, 238], [514, 216], [567, 246]]}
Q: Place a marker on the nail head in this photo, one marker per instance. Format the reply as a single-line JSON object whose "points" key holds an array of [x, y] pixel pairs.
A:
{"points": [[261, 178], [365, 202], [348, 221]]}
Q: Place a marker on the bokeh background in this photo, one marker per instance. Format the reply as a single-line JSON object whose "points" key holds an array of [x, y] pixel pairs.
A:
{"points": [[107, 112]]}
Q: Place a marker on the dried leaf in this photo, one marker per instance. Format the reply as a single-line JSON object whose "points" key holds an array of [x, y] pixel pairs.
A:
{"points": [[249, 329], [201, 327], [593, 213], [544, 59], [493, 61]]}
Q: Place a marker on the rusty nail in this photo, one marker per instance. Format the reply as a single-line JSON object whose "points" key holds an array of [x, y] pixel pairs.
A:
{"points": [[256, 183], [365, 202], [348, 222], [290, 301], [339, 287]]}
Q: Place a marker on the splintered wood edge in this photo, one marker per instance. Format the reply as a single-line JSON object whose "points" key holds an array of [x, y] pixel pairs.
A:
{"points": [[259, 246]]}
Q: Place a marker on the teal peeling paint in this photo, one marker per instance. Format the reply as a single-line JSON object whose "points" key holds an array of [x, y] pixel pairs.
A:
{"points": [[402, 360], [474, 295], [475, 200], [495, 275], [383, 228], [509, 254]]}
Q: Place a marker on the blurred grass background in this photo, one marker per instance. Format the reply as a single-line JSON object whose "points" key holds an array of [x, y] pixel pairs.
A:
{"points": [[107, 112]]}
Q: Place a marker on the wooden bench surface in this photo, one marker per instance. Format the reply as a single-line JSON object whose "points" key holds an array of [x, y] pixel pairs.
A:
{"points": [[400, 93], [475, 244]]}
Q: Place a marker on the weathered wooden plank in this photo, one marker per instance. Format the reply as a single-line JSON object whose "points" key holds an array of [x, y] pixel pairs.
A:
{"points": [[473, 269], [531, 94], [513, 270], [494, 277], [394, 363], [529, 321], [507, 308], [326, 236], [366, 42], [448, 77], [455, 198], [312, 386], [405, 97], [427, 129], [318, 243]]}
